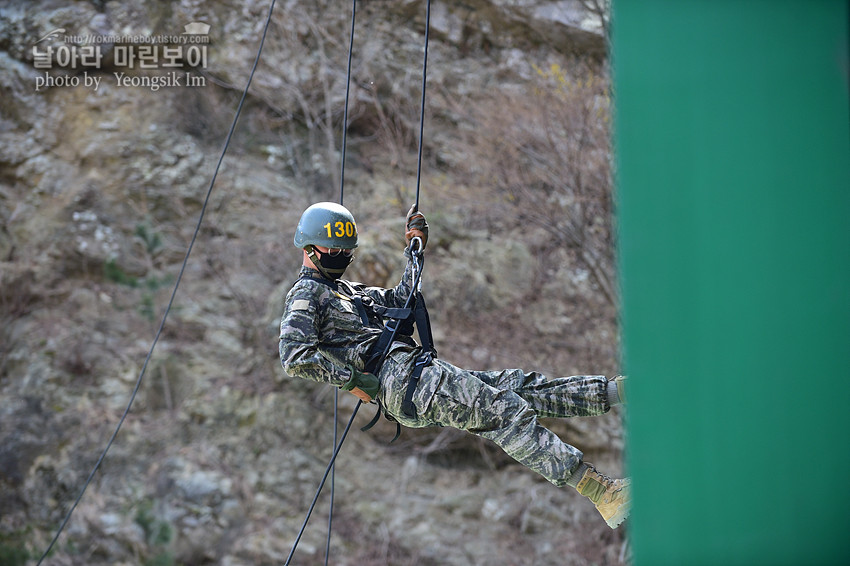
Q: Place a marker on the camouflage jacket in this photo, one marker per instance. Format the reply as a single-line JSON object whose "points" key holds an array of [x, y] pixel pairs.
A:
{"points": [[322, 333]]}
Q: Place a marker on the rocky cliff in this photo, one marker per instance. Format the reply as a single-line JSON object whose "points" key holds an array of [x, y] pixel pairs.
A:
{"points": [[113, 117]]}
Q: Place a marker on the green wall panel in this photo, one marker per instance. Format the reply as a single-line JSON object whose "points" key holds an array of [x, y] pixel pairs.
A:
{"points": [[733, 155]]}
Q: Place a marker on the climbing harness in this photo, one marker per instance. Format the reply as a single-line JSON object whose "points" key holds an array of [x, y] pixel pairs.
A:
{"points": [[398, 325], [402, 322]]}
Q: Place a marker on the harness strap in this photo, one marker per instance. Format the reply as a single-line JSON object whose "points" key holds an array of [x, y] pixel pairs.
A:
{"points": [[361, 310], [392, 312], [407, 405], [423, 324], [377, 417], [376, 360]]}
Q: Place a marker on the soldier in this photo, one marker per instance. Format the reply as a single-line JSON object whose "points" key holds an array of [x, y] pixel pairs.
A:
{"points": [[329, 331]]}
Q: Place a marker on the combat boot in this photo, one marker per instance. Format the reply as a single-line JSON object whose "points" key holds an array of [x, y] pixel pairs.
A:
{"points": [[612, 497], [620, 381]]}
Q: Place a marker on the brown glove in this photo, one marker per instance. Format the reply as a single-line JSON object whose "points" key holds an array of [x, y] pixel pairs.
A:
{"points": [[416, 226], [360, 394]]}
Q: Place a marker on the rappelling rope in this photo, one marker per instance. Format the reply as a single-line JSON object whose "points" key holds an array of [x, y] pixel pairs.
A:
{"points": [[345, 111], [173, 292], [341, 195], [422, 102], [333, 478], [322, 483], [417, 274], [415, 245]]}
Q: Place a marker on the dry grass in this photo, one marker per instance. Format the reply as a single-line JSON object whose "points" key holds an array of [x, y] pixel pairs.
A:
{"points": [[547, 153]]}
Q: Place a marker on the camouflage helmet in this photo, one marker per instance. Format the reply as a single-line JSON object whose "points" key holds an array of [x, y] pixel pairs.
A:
{"points": [[326, 224]]}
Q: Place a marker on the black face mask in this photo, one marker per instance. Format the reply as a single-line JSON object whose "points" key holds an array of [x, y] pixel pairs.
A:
{"points": [[334, 266]]}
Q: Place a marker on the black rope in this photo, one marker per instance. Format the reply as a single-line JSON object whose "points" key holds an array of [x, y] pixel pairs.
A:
{"points": [[173, 292], [415, 284], [345, 113], [341, 195], [322, 483], [331, 468], [333, 479], [422, 103]]}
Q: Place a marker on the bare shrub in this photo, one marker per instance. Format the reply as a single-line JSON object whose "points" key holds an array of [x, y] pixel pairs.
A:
{"points": [[600, 9], [393, 119], [544, 152], [18, 295]]}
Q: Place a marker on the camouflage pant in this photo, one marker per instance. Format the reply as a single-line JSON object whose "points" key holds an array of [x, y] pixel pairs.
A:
{"points": [[502, 406]]}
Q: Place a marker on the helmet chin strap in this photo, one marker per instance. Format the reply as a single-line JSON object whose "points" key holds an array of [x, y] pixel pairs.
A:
{"points": [[317, 263], [311, 253]]}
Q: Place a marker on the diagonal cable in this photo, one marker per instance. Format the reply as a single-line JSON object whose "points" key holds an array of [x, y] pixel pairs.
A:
{"points": [[173, 292], [341, 195], [422, 102]]}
